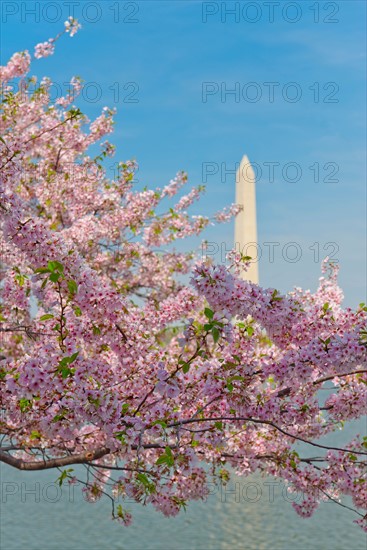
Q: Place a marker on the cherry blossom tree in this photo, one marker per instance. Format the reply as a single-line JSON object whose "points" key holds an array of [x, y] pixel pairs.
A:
{"points": [[111, 360]]}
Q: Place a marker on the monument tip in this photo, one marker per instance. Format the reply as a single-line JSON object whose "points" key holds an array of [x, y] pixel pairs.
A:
{"points": [[246, 172]]}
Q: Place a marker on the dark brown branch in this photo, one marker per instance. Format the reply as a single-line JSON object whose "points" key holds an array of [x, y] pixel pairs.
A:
{"points": [[81, 458], [286, 391], [326, 378], [268, 423], [340, 503], [13, 329]]}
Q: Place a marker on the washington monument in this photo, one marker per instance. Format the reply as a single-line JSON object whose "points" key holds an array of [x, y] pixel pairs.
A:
{"points": [[245, 234]]}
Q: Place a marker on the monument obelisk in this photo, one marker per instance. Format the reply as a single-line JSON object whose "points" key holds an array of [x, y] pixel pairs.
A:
{"points": [[245, 234]]}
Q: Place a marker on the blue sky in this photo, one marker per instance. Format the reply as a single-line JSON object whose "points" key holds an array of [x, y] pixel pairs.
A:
{"points": [[163, 54]]}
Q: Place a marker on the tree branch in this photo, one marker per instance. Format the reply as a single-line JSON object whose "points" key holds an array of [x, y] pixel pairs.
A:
{"points": [[268, 423], [326, 378], [81, 458]]}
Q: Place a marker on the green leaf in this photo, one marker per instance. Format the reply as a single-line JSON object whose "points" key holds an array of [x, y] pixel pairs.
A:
{"points": [[275, 296], [47, 316], [121, 436], [54, 277], [149, 486], [94, 401], [59, 417], [161, 460], [64, 475], [55, 266], [169, 452], [143, 479], [215, 334], [66, 371], [75, 112], [166, 458], [208, 313], [72, 286], [293, 464], [25, 404], [20, 279], [363, 337], [250, 331], [185, 368], [78, 311], [61, 478], [63, 367], [160, 423]]}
